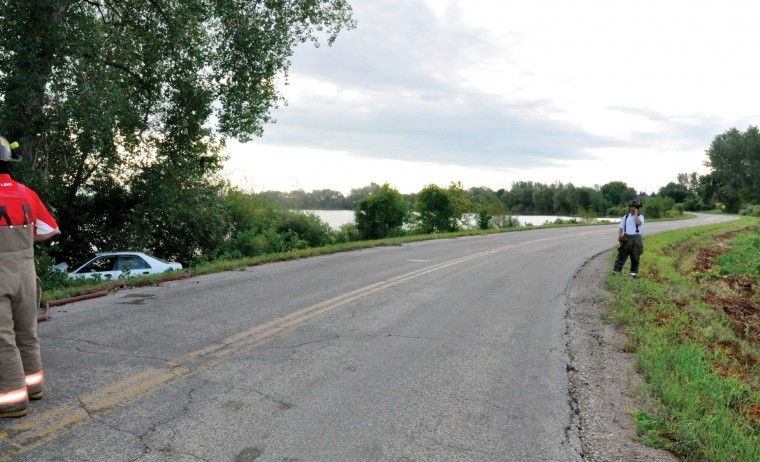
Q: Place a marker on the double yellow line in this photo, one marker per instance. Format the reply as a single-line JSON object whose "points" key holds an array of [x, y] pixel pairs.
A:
{"points": [[34, 431]]}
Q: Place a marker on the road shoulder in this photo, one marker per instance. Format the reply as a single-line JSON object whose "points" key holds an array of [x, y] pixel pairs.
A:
{"points": [[604, 380]]}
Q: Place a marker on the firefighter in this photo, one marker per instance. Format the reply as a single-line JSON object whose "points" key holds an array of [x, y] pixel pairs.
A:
{"points": [[23, 220], [629, 237]]}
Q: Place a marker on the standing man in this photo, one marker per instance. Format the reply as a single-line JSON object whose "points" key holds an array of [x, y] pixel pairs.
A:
{"points": [[629, 237], [23, 220]]}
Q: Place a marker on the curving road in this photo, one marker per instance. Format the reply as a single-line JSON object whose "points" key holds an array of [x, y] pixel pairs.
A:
{"points": [[440, 350]]}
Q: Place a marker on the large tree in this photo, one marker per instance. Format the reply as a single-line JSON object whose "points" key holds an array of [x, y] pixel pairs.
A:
{"points": [[734, 157], [617, 192], [677, 192], [115, 99]]}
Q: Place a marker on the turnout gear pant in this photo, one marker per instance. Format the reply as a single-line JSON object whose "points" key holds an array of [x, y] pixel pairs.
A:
{"points": [[630, 245], [20, 363]]}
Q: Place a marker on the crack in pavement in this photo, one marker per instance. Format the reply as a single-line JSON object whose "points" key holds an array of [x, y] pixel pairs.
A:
{"points": [[412, 337], [113, 355], [298, 345]]}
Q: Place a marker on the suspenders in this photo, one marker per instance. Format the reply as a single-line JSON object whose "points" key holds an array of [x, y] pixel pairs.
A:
{"points": [[21, 194], [625, 224]]}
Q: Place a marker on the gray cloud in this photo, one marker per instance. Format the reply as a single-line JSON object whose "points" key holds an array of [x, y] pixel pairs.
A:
{"points": [[407, 59], [693, 132], [476, 131]]}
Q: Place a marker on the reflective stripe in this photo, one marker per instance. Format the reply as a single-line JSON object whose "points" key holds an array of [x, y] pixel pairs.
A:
{"points": [[11, 397], [34, 379]]}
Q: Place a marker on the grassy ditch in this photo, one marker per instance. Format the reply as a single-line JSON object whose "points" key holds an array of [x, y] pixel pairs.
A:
{"points": [[693, 320]]}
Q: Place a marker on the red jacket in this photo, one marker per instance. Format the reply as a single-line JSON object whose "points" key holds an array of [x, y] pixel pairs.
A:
{"points": [[20, 205]]}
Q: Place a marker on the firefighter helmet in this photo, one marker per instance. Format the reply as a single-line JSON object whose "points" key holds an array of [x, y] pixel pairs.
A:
{"points": [[6, 150]]}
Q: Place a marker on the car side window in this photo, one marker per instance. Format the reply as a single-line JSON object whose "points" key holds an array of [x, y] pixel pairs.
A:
{"points": [[100, 264], [131, 262]]}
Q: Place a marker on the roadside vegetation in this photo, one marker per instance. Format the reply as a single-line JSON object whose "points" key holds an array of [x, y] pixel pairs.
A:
{"points": [[693, 320]]}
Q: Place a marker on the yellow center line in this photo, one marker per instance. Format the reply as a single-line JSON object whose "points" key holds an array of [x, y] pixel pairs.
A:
{"points": [[54, 423]]}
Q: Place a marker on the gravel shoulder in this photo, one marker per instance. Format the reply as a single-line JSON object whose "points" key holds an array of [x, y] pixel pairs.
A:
{"points": [[604, 380]]}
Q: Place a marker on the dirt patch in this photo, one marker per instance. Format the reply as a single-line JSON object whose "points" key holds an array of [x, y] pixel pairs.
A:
{"points": [[604, 380], [736, 296], [707, 255]]}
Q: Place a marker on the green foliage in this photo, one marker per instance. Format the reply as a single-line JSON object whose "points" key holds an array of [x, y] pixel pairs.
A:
{"points": [[751, 210], [347, 233], [701, 403], [436, 210], [734, 157], [115, 102], [744, 257], [589, 216], [676, 211], [693, 204], [301, 230], [381, 214], [460, 202], [259, 225], [617, 192], [617, 211], [678, 192], [657, 207], [483, 219], [360, 193], [533, 198]]}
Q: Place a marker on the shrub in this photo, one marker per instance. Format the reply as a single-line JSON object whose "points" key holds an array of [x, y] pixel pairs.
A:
{"points": [[347, 233], [484, 219], [435, 209], [381, 214], [302, 230], [751, 210], [657, 207]]}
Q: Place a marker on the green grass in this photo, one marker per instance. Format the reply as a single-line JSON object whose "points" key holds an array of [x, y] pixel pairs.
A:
{"points": [[745, 258], [700, 370]]}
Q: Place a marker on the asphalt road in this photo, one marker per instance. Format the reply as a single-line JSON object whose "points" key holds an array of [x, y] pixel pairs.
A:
{"points": [[445, 350]]}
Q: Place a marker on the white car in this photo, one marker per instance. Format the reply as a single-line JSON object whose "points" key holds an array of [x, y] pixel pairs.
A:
{"points": [[113, 265]]}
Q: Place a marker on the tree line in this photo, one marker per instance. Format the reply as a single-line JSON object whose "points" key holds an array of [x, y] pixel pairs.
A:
{"points": [[691, 191], [122, 110]]}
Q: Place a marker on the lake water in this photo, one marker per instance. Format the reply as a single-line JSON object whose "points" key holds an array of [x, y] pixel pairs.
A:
{"points": [[338, 218]]}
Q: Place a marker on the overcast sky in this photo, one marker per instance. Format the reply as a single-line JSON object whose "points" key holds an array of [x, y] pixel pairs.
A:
{"points": [[490, 92]]}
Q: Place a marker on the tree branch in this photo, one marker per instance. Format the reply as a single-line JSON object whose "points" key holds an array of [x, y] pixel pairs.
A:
{"points": [[116, 65]]}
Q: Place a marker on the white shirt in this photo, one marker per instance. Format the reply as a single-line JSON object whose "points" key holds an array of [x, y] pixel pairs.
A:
{"points": [[628, 224]]}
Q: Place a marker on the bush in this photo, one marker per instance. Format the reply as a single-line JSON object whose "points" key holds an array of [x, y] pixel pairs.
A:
{"points": [[300, 230], [692, 204], [751, 210], [347, 233], [657, 207], [484, 219], [51, 279], [381, 214], [618, 211], [436, 210]]}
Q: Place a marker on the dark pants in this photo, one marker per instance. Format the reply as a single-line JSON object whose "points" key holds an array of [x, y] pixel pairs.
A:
{"points": [[633, 246]]}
